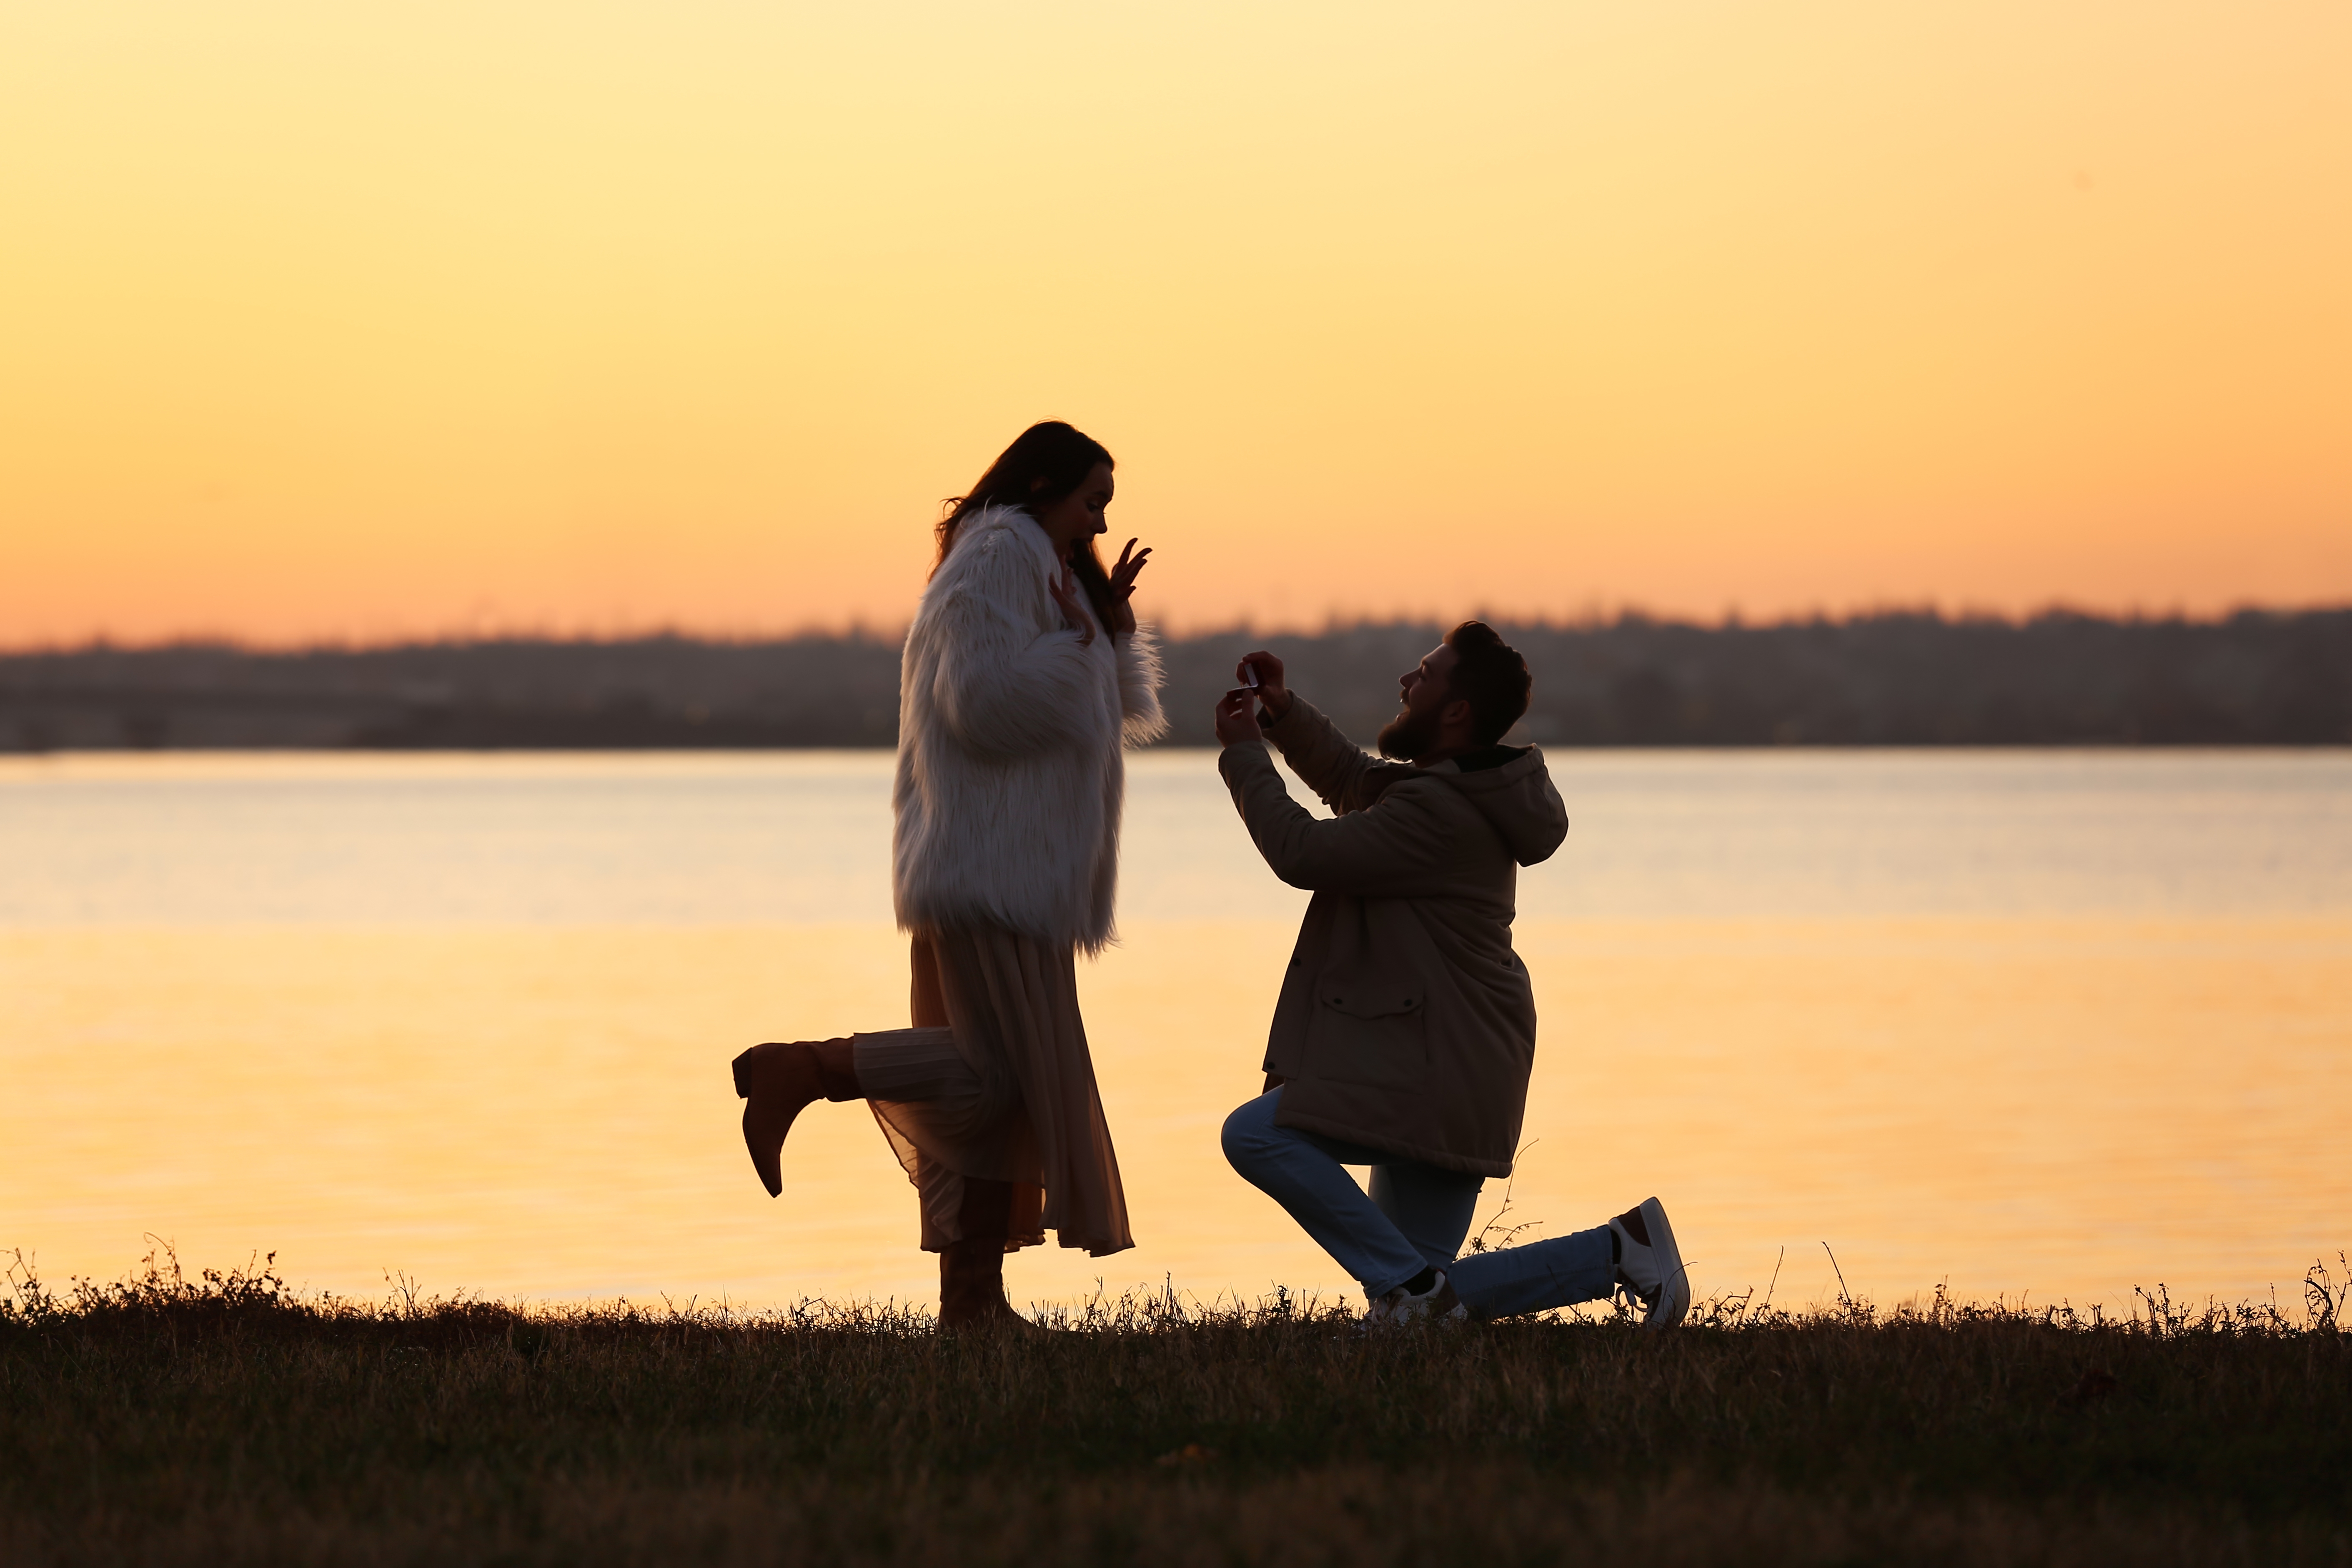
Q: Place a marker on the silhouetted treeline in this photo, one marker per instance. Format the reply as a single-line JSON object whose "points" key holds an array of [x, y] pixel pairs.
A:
{"points": [[2257, 678], [1887, 679]]}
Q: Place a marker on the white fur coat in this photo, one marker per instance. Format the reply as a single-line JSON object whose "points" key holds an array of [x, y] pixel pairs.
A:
{"points": [[1010, 736]]}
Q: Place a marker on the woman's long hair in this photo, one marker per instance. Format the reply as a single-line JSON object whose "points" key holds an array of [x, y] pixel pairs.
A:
{"points": [[1042, 466]]}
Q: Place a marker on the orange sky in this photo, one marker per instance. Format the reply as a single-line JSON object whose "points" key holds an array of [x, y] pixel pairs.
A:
{"points": [[369, 321]]}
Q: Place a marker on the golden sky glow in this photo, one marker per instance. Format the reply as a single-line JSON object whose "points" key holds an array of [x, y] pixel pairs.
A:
{"points": [[372, 321]]}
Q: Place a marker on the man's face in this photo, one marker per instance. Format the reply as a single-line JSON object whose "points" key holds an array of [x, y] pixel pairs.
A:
{"points": [[1426, 688]]}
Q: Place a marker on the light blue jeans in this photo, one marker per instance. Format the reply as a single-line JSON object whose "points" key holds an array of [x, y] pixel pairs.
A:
{"points": [[1415, 1217]]}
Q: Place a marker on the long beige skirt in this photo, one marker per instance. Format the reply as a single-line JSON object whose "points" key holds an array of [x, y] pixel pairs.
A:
{"points": [[994, 1084]]}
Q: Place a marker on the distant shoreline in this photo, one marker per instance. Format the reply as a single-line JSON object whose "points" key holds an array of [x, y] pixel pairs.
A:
{"points": [[2260, 678]]}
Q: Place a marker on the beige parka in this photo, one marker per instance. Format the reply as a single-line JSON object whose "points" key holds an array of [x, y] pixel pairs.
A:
{"points": [[1406, 1021]]}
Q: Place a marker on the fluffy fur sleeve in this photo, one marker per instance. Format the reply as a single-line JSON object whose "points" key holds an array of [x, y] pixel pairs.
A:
{"points": [[1138, 688], [1001, 685]]}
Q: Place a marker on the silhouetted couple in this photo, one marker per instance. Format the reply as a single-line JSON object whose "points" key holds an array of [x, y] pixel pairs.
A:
{"points": [[1406, 1031]]}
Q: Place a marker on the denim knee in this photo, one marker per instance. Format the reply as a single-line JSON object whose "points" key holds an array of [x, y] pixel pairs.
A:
{"points": [[1249, 1134]]}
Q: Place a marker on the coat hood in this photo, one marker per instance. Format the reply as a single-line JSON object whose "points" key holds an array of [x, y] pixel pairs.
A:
{"points": [[1518, 799]]}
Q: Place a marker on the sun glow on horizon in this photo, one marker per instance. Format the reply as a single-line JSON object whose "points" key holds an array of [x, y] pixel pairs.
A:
{"points": [[384, 322]]}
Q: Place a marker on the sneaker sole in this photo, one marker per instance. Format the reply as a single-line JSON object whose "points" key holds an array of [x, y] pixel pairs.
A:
{"points": [[1674, 1287]]}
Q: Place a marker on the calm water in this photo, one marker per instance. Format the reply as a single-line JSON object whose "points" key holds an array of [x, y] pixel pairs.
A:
{"points": [[2057, 1023]]}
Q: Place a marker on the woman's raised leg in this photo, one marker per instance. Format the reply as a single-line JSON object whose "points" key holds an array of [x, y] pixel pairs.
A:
{"points": [[781, 1078], [777, 1081]]}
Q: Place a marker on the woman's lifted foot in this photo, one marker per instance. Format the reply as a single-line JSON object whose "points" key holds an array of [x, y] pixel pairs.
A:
{"points": [[775, 1081]]}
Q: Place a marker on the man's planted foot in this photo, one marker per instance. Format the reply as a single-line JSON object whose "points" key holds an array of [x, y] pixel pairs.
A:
{"points": [[1649, 1264], [1435, 1302]]}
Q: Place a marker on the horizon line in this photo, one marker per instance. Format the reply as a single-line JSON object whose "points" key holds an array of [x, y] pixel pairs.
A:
{"points": [[1334, 624]]}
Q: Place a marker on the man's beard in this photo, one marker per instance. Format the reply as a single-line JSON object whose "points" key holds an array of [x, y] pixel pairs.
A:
{"points": [[1408, 735]]}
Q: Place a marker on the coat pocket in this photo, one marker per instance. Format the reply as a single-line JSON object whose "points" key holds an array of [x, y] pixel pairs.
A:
{"points": [[1370, 1028]]}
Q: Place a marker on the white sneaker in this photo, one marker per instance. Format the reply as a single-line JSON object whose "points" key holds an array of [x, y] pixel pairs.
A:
{"points": [[1650, 1265], [1400, 1308]]}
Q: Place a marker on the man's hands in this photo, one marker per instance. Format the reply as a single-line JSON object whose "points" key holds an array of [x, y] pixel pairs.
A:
{"points": [[1236, 710], [1237, 718], [1270, 688]]}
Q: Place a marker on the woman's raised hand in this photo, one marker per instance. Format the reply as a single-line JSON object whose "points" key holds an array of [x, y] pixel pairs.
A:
{"points": [[1123, 586], [1064, 589]]}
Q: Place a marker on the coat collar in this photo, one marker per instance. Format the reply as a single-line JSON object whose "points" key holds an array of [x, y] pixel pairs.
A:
{"points": [[1012, 521]]}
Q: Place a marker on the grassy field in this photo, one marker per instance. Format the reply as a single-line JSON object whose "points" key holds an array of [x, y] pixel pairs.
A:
{"points": [[161, 1420]]}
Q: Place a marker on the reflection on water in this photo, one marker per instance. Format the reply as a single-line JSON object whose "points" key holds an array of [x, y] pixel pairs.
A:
{"points": [[2058, 1023]]}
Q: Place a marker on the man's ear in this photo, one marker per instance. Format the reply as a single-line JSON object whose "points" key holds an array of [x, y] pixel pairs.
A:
{"points": [[1455, 712]]}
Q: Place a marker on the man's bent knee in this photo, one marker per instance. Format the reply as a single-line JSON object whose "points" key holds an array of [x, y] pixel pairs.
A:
{"points": [[1249, 1132]]}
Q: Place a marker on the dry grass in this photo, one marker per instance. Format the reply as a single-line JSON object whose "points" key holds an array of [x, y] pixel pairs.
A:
{"points": [[161, 1420]]}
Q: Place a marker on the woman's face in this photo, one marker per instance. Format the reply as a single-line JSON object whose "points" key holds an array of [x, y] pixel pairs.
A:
{"points": [[1079, 515]]}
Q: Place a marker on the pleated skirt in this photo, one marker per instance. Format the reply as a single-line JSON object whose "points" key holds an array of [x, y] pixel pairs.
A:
{"points": [[996, 1084]]}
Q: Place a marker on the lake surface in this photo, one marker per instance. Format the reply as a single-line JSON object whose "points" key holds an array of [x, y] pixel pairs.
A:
{"points": [[2046, 1022]]}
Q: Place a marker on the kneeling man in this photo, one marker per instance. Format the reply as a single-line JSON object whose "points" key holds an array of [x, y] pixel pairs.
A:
{"points": [[1407, 1027]]}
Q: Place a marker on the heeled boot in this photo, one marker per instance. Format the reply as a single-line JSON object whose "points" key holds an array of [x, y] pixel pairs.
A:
{"points": [[971, 1286], [972, 1271], [777, 1081]]}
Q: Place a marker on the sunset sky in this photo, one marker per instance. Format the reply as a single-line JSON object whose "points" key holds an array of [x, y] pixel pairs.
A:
{"points": [[361, 321]]}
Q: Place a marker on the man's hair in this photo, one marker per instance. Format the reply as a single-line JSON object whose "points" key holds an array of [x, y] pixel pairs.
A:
{"points": [[1489, 673]]}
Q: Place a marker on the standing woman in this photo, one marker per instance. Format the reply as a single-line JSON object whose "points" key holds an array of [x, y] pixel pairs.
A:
{"points": [[1025, 675]]}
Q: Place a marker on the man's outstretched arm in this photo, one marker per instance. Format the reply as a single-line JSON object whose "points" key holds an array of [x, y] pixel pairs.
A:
{"points": [[1326, 760], [1395, 848], [1336, 769]]}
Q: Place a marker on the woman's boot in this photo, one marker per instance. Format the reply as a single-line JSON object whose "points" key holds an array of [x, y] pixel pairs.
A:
{"points": [[971, 1286], [776, 1081], [972, 1271]]}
